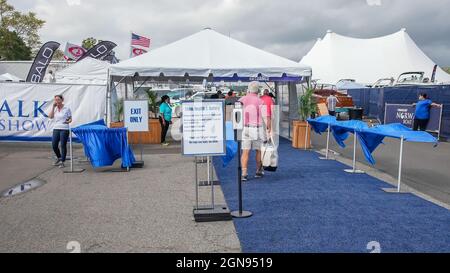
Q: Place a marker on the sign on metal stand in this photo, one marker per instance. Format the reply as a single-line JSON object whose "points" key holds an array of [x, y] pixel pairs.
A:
{"points": [[136, 120], [203, 127]]}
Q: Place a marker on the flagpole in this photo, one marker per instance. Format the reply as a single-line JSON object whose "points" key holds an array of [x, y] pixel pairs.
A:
{"points": [[131, 41]]}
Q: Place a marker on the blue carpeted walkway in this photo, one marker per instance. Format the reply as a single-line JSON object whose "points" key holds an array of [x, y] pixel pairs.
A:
{"points": [[310, 205]]}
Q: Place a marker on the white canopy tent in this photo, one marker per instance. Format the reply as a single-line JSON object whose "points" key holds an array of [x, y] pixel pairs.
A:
{"points": [[209, 53], [337, 57], [9, 77], [211, 56], [86, 71]]}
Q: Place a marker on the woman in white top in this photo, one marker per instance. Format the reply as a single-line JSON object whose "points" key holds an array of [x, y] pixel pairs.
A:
{"points": [[62, 117]]}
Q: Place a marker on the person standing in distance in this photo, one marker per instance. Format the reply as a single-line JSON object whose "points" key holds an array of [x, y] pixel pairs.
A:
{"points": [[165, 118], [62, 117], [422, 114], [332, 101]]}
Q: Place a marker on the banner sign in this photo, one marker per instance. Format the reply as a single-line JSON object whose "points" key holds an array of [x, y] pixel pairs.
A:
{"points": [[74, 52], [405, 113], [136, 115], [24, 108], [203, 128], [99, 51], [41, 62]]}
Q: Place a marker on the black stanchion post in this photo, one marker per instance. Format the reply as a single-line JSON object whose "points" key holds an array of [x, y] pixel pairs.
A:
{"points": [[238, 125]]}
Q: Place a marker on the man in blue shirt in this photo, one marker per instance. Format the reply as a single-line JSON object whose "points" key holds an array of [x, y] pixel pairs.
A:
{"points": [[422, 115]]}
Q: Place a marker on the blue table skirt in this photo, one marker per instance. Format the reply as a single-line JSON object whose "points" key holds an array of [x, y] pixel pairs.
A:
{"points": [[103, 145]]}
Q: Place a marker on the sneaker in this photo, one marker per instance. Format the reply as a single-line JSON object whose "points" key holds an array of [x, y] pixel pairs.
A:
{"points": [[244, 177], [165, 144], [259, 174], [57, 162], [62, 165]]}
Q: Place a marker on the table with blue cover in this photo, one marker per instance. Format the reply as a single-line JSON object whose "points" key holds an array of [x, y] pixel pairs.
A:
{"points": [[103, 145], [369, 137]]}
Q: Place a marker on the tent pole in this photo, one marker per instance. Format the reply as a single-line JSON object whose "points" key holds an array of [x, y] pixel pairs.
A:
{"points": [[400, 162], [108, 100]]}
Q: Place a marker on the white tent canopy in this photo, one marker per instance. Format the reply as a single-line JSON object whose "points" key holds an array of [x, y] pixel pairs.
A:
{"points": [[209, 52], [337, 57], [9, 77], [86, 71]]}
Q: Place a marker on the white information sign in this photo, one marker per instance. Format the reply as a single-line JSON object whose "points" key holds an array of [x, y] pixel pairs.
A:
{"points": [[204, 128], [136, 115]]}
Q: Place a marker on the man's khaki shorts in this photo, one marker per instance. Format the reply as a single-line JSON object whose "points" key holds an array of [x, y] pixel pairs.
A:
{"points": [[252, 138]]}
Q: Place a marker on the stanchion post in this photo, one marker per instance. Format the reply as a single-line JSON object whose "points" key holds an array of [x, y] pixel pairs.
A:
{"points": [[238, 125]]}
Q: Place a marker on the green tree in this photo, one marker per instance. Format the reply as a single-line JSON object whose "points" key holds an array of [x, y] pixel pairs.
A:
{"points": [[24, 25], [27, 27], [89, 43], [12, 47], [6, 11], [59, 55]]}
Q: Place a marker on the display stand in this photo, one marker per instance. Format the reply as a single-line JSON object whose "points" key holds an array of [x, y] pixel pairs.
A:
{"points": [[400, 166], [354, 170], [327, 153], [213, 212], [204, 135], [72, 168]]}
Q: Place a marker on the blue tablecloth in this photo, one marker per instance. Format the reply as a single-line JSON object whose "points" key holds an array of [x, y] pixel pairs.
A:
{"points": [[103, 145], [369, 138]]}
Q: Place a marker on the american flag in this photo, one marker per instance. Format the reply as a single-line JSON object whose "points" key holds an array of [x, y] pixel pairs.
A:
{"points": [[137, 40]]}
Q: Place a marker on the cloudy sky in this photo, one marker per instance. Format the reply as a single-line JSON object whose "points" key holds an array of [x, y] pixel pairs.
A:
{"points": [[288, 28]]}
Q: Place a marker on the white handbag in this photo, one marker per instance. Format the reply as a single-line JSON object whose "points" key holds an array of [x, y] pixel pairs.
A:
{"points": [[269, 156]]}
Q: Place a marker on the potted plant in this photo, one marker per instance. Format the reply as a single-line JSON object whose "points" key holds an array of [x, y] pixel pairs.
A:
{"points": [[154, 134], [119, 114], [307, 109]]}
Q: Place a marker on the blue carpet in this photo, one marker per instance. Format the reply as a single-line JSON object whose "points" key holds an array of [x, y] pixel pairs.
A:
{"points": [[310, 205]]}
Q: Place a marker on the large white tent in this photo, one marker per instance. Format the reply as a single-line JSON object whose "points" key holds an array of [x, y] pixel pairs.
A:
{"points": [[209, 53], [337, 57], [9, 77], [86, 71]]}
